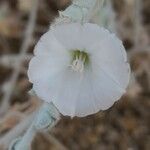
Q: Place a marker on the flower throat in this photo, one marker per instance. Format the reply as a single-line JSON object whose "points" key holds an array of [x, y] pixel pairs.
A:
{"points": [[80, 60]]}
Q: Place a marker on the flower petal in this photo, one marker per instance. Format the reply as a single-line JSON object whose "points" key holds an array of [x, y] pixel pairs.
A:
{"points": [[48, 44], [100, 84], [69, 35]]}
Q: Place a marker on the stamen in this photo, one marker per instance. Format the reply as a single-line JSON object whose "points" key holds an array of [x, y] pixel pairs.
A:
{"points": [[79, 61], [78, 65]]}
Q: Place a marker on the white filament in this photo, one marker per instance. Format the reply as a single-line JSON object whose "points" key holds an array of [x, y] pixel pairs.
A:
{"points": [[78, 64]]}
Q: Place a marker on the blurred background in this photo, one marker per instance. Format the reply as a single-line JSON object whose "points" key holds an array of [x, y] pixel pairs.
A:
{"points": [[125, 126]]}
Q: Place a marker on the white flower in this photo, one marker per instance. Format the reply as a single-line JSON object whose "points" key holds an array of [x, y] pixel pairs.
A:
{"points": [[80, 68]]}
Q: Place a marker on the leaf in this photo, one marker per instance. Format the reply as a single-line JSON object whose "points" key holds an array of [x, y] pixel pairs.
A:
{"points": [[79, 10]]}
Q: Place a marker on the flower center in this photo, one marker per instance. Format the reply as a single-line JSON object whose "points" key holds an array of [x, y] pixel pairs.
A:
{"points": [[79, 61]]}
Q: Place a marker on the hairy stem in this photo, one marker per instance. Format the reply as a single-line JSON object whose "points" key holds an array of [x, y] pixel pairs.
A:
{"points": [[47, 118]]}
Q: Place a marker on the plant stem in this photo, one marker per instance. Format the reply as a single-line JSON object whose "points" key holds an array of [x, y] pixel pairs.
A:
{"points": [[47, 118]]}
